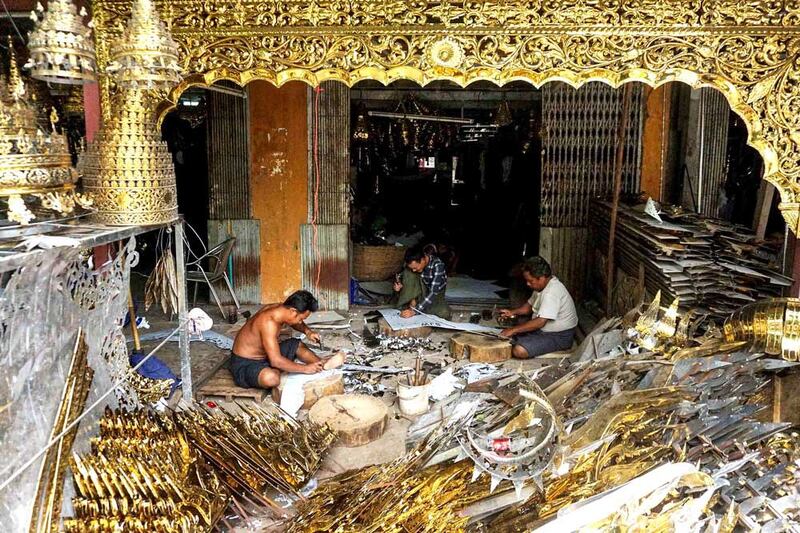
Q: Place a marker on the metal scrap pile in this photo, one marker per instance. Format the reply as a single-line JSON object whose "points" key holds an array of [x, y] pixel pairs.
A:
{"points": [[664, 428], [709, 264], [143, 476], [179, 472]]}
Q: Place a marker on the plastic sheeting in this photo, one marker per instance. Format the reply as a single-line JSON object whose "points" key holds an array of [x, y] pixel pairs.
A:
{"points": [[42, 308]]}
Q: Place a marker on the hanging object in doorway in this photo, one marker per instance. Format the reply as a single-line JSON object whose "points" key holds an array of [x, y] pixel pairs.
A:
{"points": [[503, 115], [61, 46]]}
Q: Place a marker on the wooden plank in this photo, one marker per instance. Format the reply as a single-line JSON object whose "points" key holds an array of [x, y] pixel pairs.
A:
{"points": [[766, 194], [222, 385]]}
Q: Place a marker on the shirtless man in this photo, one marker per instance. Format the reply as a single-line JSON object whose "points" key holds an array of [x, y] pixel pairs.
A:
{"points": [[257, 358]]}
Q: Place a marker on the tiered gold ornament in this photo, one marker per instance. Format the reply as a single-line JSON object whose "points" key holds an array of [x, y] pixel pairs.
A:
{"points": [[128, 168], [73, 102], [61, 46], [145, 56], [36, 175]]}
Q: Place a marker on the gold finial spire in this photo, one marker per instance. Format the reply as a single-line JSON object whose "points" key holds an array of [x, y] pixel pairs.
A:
{"points": [[17, 88]]}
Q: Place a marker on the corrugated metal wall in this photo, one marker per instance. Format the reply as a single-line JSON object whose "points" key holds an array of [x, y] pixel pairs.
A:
{"points": [[327, 264], [559, 246], [329, 111], [579, 148], [229, 195], [578, 152], [706, 151], [228, 163], [325, 254], [246, 255]]}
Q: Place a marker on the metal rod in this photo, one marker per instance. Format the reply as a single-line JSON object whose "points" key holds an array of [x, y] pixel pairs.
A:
{"points": [[623, 126], [137, 344], [183, 336], [428, 118], [701, 163]]}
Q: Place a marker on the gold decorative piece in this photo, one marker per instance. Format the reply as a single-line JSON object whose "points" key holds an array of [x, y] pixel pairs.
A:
{"points": [[771, 326], [258, 451], [61, 46], [73, 102], [145, 56], [49, 492], [128, 168], [446, 53], [142, 476], [36, 175], [746, 49], [503, 115]]}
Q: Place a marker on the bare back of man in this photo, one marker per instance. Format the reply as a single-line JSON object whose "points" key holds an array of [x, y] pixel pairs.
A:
{"points": [[257, 358]]}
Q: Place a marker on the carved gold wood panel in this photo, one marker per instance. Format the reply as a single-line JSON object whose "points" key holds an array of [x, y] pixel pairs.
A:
{"points": [[746, 49]]}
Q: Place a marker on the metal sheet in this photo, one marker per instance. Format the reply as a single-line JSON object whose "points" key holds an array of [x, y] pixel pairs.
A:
{"points": [[714, 144], [228, 161], [325, 262], [329, 154], [566, 249], [246, 255]]}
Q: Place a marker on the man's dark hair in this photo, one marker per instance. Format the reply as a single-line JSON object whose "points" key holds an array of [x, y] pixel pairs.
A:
{"points": [[537, 267], [414, 254], [302, 301]]}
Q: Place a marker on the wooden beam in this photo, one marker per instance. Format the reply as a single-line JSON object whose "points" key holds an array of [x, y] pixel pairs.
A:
{"points": [[655, 140], [766, 194], [623, 126]]}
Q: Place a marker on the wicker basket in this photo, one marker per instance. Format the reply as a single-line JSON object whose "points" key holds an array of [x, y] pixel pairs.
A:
{"points": [[377, 263]]}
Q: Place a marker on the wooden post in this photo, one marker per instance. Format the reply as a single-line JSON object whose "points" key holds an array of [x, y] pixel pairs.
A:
{"points": [[623, 126], [766, 193]]}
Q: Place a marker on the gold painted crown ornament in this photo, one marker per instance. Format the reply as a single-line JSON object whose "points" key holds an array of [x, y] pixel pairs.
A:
{"points": [[145, 56], [36, 175], [128, 168], [61, 46]]}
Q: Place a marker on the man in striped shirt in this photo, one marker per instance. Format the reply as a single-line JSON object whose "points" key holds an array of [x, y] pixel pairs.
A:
{"points": [[422, 284]]}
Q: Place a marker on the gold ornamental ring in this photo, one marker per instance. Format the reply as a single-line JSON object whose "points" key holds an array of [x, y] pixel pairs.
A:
{"points": [[11, 191]]}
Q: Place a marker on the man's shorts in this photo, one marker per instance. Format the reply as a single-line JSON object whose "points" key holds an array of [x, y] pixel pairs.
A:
{"points": [[245, 371], [540, 342]]}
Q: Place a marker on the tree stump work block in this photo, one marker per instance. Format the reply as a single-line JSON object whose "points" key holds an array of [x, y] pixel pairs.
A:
{"points": [[479, 348], [314, 390], [357, 418], [384, 328]]}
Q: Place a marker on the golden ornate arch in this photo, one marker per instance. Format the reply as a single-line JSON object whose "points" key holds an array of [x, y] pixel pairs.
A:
{"points": [[746, 49]]}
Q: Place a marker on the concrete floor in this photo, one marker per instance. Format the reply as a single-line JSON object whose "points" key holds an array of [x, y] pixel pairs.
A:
{"points": [[207, 358]]}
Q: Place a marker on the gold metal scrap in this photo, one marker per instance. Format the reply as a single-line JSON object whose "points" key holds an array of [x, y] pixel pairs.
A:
{"points": [[260, 450], [771, 326], [142, 476]]}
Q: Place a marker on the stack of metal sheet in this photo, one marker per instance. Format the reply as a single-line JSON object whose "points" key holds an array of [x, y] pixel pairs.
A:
{"points": [[709, 264]]}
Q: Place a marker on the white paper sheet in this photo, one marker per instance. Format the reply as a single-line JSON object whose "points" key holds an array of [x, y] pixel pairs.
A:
{"points": [[293, 396], [395, 322]]}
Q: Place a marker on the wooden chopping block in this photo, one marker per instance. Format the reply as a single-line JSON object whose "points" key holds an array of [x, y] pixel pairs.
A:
{"points": [[479, 349], [358, 418], [384, 328], [314, 390]]}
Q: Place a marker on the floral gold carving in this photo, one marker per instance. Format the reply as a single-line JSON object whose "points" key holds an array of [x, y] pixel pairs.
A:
{"points": [[746, 49]]}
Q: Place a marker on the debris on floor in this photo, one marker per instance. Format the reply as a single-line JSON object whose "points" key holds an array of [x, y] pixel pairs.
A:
{"points": [[657, 419]]}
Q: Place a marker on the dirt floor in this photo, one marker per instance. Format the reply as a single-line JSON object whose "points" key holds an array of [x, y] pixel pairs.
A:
{"points": [[207, 359]]}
